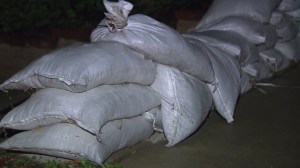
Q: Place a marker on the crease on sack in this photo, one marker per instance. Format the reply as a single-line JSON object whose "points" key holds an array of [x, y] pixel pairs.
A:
{"points": [[64, 119], [46, 151], [44, 117], [6, 85], [176, 108], [152, 118]]}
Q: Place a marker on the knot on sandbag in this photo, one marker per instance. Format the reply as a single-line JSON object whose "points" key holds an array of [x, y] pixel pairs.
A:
{"points": [[117, 14]]}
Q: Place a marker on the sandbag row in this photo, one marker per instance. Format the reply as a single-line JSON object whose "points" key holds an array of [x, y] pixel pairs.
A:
{"points": [[100, 91], [87, 92], [138, 76], [263, 37], [92, 99]]}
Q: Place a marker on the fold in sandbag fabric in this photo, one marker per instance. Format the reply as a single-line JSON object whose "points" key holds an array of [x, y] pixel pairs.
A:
{"points": [[228, 76], [295, 14], [155, 116], [258, 70], [286, 28], [275, 59], [288, 5], [81, 67], [158, 42], [71, 142], [230, 42], [186, 101], [298, 25], [89, 110], [253, 9], [290, 49], [246, 83], [264, 36]]}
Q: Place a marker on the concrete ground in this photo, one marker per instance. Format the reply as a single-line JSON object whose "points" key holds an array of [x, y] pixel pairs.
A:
{"points": [[265, 133]]}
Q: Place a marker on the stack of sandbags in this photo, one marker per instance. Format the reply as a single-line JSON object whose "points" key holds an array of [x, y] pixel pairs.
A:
{"points": [[91, 101], [184, 69], [138, 76], [261, 34], [236, 32]]}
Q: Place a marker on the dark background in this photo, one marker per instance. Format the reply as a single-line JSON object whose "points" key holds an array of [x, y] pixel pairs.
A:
{"points": [[48, 19]]}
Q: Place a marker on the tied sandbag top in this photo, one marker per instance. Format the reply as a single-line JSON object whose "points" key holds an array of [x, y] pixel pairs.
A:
{"points": [[156, 41], [117, 14]]}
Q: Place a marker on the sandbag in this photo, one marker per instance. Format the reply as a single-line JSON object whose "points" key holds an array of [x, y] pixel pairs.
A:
{"points": [[286, 28], [288, 5], [80, 67], [158, 42], [257, 10], [228, 76], [259, 34], [230, 42], [258, 71], [186, 101], [89, 110], [71, 142], [290, 49], [274, 59]]}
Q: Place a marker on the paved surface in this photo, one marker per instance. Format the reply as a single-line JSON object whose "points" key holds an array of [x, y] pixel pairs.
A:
{"points": [[265, 134]]}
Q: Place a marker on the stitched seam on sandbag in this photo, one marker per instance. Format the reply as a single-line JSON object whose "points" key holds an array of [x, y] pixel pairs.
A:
{"points": [[56, 151], [66, 119], [175, 104], [27, 121], [52, 77]]}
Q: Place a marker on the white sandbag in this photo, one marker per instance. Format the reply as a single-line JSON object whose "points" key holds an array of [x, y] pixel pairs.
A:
{"points": [[186, 102], [90, 110], [230, 42], [158, 42], [257, 10], [228, 76], [246, 83], [295, 14], [258, 71], [274, 59], [286, 28], [71, 142], [290, 49], [81, 67], [255, 32], [288, 5]]}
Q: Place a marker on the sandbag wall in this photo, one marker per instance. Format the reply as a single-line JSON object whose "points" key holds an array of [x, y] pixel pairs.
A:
{"points": [[263, 34], [138, 76]]}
